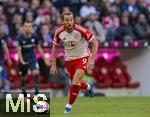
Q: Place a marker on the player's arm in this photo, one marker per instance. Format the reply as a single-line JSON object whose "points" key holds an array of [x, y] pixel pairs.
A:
{"points": [[94, 49], [19, 50], [91, 39], [56, 41], [42, 54], [20, 55], [93, 42], [53, 69], [88, 36], [7, 53]]}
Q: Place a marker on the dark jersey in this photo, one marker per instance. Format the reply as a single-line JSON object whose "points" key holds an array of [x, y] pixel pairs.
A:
{"points": [[27, 45], [2, 41]]}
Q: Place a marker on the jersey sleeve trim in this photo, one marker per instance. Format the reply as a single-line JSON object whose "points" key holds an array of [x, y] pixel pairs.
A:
{"points": [[55, 43], [80, 28], [57, 33], [84, 32], [91, 39]]}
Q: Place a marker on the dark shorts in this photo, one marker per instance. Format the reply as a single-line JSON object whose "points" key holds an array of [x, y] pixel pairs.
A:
{"points": [[32, 65]]}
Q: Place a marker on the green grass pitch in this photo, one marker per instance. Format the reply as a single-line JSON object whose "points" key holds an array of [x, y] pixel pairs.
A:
{"points": [[103, 107]]}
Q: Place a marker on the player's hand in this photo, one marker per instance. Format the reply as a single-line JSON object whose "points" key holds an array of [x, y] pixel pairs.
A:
{"points": [[47, 62], [10, 62], [90, 64], [53, 70], [23, 62]]}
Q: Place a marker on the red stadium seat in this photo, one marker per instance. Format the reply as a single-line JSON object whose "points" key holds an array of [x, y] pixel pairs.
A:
{"points": [[13, 75], [120, 75], [102, 74]]}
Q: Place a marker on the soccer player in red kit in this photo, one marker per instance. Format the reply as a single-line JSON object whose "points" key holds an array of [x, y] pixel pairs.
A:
{"points": [[78, 58]]}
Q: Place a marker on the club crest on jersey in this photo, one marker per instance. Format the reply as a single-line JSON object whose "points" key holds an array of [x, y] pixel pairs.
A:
{"points": [[23, 42], [3, 41], [32, 40], [76, 36]]}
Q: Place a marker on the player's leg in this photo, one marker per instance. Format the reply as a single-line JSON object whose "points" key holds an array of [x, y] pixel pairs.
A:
{"points": [[35, 70], [36, 81], [89, 86], [75, 88], [90, 89], [5, 81], [82, 63], [84, 85], [23, 69], [76, 70]]}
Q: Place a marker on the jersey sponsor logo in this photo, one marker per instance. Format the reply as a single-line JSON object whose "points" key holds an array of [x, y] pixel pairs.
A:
{"points": [[23, 42], [76, 36], [28, 46]]}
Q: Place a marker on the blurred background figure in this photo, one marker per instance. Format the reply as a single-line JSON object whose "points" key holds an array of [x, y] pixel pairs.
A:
{"points": [[125, 31], [3, 73], [62, 77], [45, 36], [87, 9], [111, 22], [142, 28], [78, 20], [96, 27]]}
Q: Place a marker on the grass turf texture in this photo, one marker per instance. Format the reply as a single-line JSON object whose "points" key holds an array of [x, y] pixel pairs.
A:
{"points": [[103, 107], [96, 107]]}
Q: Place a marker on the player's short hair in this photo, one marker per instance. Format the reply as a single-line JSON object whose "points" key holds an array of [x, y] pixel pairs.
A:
{"points": [[66, 13], [27, 22]]}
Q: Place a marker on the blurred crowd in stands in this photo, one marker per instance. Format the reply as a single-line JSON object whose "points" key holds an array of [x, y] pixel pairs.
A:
{"points": [[121, 20]]}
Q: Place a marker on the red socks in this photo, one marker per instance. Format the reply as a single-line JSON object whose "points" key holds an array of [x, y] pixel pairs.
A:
{"points": [[83, 85], [74, 91]]}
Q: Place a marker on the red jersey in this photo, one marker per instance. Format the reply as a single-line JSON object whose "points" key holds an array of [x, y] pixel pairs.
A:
{"points": [[75, 42]]}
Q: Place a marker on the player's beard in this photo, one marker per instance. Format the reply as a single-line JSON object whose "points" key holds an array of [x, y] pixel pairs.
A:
{"points": [[28, 33], [69, 27]]}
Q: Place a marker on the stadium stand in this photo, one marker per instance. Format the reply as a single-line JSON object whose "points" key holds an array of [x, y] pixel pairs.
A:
{"points": [[113, 74]]}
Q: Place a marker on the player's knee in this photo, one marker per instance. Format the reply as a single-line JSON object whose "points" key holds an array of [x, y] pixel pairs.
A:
{"points": [[76, 81]]}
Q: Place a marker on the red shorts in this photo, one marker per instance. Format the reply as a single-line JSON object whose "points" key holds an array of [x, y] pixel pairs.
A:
{"points": [[73, 65]]}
